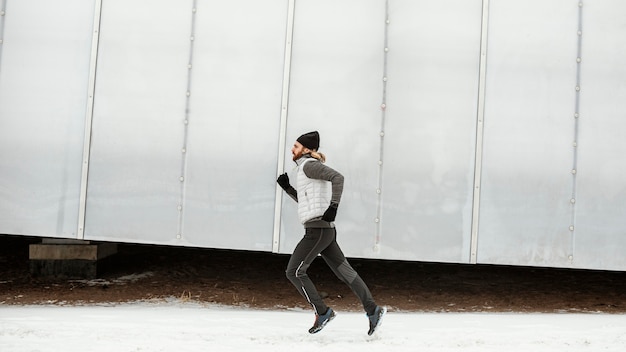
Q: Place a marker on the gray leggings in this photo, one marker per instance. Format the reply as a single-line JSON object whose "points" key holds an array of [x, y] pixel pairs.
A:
{"points": [[324, 241]]}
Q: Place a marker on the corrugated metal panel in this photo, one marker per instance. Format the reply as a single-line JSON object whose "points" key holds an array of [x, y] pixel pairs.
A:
{"points": [[430, 128], [138, 121], [43, 84], [600, 226], [525, 209], [236, 90]]}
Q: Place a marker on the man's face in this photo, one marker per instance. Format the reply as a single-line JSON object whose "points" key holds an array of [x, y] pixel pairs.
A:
{"points": [[297, 150]]}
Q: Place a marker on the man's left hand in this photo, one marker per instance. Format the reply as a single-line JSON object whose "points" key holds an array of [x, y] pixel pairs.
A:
{"points": [[331, 213]]}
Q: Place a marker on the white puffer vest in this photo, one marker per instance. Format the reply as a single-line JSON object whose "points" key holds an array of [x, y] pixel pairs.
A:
{"points": [[313, 195]]}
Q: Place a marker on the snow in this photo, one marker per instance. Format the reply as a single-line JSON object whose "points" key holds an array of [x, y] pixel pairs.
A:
{"points": [[178, 325]]}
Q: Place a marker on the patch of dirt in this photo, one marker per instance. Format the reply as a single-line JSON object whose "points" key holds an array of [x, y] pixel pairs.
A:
{"points": [[257, 280]]}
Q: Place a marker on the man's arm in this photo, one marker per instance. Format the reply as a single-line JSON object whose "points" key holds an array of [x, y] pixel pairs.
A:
{"points": [[291, 192], [317, 170], [283, 182]]}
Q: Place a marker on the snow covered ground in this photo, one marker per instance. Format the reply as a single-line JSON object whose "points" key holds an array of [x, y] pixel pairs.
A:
{"points": [[183, 326]]}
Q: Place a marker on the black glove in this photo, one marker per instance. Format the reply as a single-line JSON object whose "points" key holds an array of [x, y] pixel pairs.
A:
{"points": [[283, 181], [331, 213]]}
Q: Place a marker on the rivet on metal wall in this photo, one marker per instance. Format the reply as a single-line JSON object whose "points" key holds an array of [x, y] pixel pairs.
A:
{"points": [[188, 93], [179, 236], [576, 115], [383, 106], [382, 133], [580, 32], [580, 4], [180, 207], [384, 79], [378, 191], [574, 172], [575, 144], [572, 200], [377, 220], [578, 88], [184, 150], [380, 162], [578, 59], [182, 179], [2, 13], [386, 49], [571, 228], [192, 38], [189, 66]]}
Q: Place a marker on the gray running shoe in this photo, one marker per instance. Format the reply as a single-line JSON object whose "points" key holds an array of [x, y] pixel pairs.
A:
{"points": [[322, 320], [376, 319]]}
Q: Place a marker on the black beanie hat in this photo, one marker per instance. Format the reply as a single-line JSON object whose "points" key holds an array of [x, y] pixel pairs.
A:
{"points": [[310, 140]]}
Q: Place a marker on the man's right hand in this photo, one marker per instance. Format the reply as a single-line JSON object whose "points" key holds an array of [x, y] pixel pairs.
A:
{"points": [[283, 181]]}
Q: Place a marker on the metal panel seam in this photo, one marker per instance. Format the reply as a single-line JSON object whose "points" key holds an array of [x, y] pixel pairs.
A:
{"points": [[480, 115], [95, 40], [383, 107], [183, 166], [576, 128], [282, 140]]}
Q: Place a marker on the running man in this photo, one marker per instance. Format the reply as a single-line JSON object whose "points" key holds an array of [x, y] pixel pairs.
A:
{"points": [[318, 193]]}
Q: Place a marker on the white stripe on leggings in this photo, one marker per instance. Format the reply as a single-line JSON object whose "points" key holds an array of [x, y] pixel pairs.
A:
{"points": [[306, 295]]}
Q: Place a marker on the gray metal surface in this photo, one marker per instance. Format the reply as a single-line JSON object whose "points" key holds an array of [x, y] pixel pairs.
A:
{"points": [[601, 188], [468, 131], [430, 129], [43, 81], [236, 91], [138, 121], [525, 209]]}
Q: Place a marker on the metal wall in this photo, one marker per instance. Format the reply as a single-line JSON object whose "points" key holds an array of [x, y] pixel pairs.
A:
{"points": [[469, 131]]}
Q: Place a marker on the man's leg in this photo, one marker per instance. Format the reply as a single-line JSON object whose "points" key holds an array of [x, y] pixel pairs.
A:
{"points": [[313, 242], [338, 263]]}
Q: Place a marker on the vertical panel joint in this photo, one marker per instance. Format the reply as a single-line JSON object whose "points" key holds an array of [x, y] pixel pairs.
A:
{"points": [[95, 39], [183, 163], [480, 114], [282, 140], [576, 122]]}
